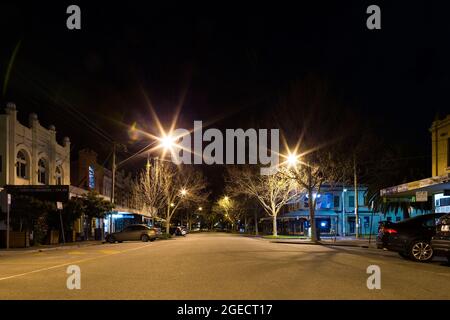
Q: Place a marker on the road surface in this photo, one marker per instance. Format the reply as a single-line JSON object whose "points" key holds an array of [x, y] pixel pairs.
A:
{"points": [[219, 266]]}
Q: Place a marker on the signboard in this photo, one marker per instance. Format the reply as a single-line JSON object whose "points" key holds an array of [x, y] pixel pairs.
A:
{"points": [[421, 196], [52, 193], [9, 199], [415, 185], [404, 199], [59, 205]]}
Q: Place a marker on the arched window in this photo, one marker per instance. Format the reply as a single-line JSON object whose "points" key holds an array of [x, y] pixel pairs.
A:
{"points": [[21, 165], [58, 176], [42, 171]]}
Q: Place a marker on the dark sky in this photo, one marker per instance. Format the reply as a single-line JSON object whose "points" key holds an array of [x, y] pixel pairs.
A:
{"points": [[232, 61]]}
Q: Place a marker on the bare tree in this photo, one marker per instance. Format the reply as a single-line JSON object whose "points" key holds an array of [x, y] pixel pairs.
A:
{"points": [[310, 173], [271, 191], [147, 191], [181, 186]]}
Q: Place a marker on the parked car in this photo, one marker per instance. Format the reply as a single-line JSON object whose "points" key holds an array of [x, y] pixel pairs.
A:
{"points": [[441, 240], [411, 238], [178, 231], [134, 232]]}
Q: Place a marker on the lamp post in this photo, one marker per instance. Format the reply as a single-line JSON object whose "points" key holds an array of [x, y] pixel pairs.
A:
{"points": [[165, 142]]}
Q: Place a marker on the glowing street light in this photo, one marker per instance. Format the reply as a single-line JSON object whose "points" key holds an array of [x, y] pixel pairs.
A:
{"points": [[292, 160], [183, 192], [200, 208], [167, 142], [172, 204]]}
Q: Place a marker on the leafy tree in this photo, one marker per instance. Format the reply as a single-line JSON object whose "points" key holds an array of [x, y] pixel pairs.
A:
{"points": [[94, 206]]}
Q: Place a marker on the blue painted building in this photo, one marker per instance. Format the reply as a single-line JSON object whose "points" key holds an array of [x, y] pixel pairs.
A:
{"points": [[334, 214]]}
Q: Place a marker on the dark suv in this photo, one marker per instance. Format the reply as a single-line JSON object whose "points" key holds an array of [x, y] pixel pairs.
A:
{"points": [[441, 240], [411, 238]]}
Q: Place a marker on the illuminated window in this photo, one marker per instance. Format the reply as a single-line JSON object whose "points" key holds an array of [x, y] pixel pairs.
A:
{"points": [[21, 165], [91, 177], [42, 171]]}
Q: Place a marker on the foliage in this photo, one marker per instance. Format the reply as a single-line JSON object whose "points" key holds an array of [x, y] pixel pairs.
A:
{"points": [[95, 206]]}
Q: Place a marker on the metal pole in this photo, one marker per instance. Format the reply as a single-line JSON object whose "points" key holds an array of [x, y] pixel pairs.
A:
{"points": [[356, 198], [371, 224], [256, 221], [113, 183], [7, 220], [62, 226]]}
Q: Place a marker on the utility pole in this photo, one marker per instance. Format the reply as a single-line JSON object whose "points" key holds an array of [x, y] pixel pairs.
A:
{"points": [[256, 221], [113, 183], [7, 220], [355, 178]]}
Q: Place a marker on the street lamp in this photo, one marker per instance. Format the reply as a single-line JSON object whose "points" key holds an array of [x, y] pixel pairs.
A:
{"points": [[292, 160], [183, 192], [166, 142], [200, 208]]}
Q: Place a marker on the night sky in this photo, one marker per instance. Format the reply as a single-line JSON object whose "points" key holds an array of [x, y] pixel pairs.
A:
{"points": [[228, 63]]}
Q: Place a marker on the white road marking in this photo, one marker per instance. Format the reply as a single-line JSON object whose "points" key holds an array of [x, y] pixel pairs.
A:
{"points": [[69, 263]]}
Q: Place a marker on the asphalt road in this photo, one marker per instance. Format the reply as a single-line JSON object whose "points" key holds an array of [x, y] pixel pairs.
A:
{"points": [[219, 266]]}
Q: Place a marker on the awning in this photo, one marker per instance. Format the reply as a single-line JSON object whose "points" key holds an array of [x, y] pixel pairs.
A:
{"points": [[432, 185]]}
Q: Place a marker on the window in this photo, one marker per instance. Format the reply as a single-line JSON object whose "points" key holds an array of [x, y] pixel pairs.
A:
{"points": [[21, 165], [42, 171], [336, 201], [448, 152], [429, 222], [91, 177], [58, 176], [351, 201]]}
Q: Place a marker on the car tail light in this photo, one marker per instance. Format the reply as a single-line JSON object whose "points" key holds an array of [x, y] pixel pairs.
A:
{"points": [[389, 230]]}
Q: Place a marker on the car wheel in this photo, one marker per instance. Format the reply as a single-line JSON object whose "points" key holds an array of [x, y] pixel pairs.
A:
{"points": [[111, 239], [421, 251], [144, 238]]}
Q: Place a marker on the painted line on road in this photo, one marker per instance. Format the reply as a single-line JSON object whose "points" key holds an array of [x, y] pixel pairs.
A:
{"points": [[69, 263]]}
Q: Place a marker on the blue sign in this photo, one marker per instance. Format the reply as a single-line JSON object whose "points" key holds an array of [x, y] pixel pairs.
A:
{"points": [[91, 177]]}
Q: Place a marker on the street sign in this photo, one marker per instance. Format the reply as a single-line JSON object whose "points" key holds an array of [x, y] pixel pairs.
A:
{"points": [[9, 199], [421, 196], [59, 205]]}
